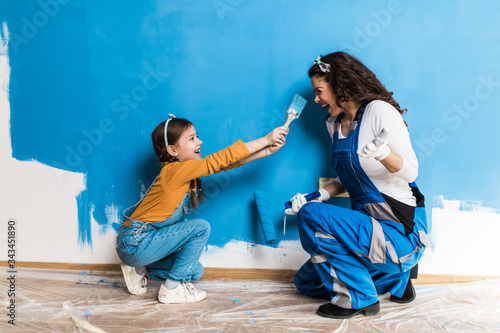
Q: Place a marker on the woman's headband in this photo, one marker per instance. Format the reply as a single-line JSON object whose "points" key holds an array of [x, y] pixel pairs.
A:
{"points": [[325, 68], [170, 117]]}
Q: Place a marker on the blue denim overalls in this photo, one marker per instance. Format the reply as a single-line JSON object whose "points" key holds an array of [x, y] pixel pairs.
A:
{"points": [[360, 253], [168, 249]]}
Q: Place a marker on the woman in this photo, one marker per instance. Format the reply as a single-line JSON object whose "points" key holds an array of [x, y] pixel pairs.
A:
{"points": [[360, 253]]}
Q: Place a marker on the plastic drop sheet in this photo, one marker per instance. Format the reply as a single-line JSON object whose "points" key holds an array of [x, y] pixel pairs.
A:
{"points": [[85, 301]]}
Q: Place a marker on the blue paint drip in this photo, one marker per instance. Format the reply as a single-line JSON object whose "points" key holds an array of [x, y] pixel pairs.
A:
{"points": [[84, 230]]}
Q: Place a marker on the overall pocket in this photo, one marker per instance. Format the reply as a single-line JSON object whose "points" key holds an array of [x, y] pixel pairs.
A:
{"points": [[126, 253], [342, 161], [127, 242]]}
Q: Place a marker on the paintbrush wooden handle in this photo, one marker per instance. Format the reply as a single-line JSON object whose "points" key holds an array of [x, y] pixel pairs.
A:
{"points": [[289, 119]]}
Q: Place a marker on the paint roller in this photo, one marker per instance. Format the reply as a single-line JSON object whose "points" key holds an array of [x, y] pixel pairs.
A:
{"points": [[266, 222]]}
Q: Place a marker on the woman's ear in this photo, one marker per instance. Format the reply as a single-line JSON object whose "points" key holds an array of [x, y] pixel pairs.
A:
{"points": [[171, 150]]}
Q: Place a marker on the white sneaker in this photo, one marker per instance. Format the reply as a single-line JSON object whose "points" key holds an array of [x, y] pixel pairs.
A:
{"points": [[136, 284], [185, 292]]}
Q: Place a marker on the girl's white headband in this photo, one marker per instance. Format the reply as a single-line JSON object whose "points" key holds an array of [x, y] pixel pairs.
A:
{"points": [[170, 117]]}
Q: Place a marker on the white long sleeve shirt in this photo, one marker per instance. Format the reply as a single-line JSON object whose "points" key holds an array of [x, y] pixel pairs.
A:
{"points": [[379, 114]]}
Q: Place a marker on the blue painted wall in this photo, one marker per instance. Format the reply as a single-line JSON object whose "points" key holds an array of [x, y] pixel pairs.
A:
{"points": [[90, 80]]}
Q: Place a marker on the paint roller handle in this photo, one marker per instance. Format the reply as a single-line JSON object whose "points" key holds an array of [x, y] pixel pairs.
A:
{"points": [[309, 197]]}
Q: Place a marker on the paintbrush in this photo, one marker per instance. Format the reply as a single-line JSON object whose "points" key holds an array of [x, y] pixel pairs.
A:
{"points": [[295, 108], [309, 197]]}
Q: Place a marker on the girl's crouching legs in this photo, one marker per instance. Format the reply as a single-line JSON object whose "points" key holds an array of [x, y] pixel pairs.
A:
{"points": [[186, 266]]}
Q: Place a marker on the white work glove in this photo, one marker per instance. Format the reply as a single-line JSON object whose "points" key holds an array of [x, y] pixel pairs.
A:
{"points": [[325, 196], [299, 200], [377, 148]]}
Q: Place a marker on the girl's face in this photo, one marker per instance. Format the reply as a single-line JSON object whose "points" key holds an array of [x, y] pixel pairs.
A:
{"points": [[188, 146], [325, 96]]}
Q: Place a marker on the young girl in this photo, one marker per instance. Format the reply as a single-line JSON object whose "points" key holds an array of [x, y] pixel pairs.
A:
{"points": [[156, 239]]}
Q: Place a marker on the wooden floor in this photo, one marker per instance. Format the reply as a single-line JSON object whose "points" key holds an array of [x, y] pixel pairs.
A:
{"points": [[49, 300]]}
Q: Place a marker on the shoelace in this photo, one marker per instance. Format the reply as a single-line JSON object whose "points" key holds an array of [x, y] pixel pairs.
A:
{"points": [[144, 281], [189, 287]]}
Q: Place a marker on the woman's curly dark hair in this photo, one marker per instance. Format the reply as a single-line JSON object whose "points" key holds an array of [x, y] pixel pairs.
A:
{"points": [[176, 127], [351, 80]]}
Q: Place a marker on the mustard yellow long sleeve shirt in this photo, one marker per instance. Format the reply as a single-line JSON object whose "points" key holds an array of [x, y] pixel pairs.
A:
{"points": [[172, 183]]}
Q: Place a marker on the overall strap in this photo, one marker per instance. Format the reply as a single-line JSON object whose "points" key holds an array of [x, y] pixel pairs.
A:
{"points": [[356, 120], [126, 218]]}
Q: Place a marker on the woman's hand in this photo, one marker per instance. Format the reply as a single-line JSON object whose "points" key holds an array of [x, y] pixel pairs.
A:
{"points": [[377, 148], [277, 135], [298, 200]]}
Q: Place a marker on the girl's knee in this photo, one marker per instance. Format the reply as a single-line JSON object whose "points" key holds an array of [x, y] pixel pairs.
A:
{"points": [[202, 226], [206, 226]]}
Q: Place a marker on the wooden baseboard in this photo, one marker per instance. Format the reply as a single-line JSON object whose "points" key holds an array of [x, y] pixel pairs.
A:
{"points": [[64, 265], [285, 275]]}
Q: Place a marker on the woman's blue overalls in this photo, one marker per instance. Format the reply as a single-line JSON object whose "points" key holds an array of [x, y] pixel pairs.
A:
{"points": [[360, 253], [168, 249]]}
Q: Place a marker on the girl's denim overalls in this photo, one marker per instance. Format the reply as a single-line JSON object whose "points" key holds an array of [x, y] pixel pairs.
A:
{"points": [[168, 249]]}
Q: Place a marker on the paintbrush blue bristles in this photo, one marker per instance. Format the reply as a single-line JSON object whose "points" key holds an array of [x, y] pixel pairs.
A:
{"points": [[294, 110], [297, 105]]}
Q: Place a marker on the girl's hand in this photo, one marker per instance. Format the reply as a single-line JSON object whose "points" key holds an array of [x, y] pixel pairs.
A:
{"points": [[277, 146], [277, 135]]}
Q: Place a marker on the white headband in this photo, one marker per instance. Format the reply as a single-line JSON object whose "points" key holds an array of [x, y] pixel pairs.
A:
{"points": [[170, 117]]}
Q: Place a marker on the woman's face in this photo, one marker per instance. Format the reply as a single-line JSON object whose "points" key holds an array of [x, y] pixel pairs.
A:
{"points": [[325, 96]]}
